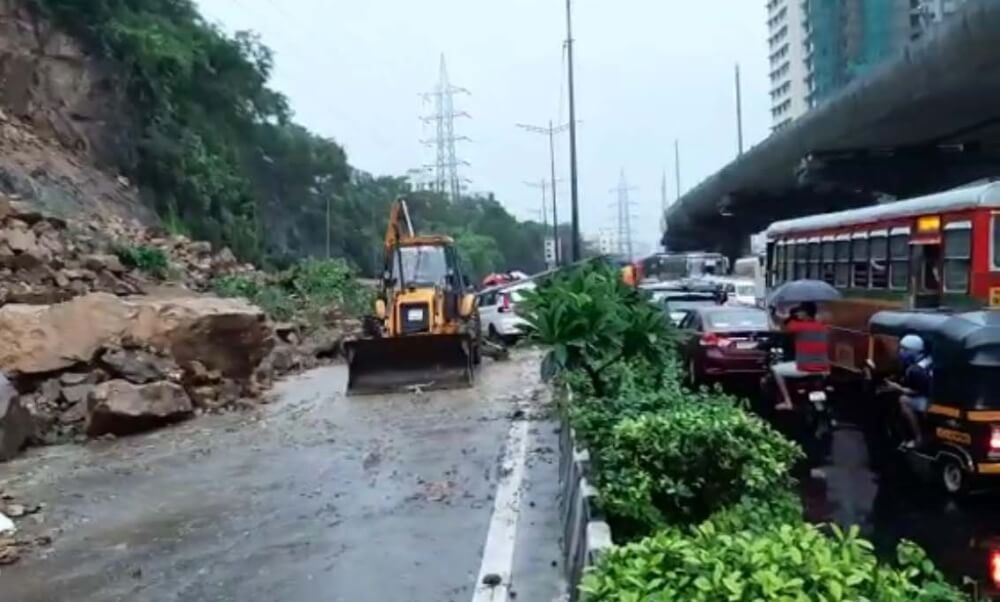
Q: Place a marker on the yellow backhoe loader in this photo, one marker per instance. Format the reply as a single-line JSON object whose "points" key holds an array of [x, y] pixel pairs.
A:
{"points": [[424, 333]]}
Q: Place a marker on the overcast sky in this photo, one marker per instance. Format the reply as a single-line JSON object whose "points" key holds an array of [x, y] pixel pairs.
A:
{"points": [[647, 71]]}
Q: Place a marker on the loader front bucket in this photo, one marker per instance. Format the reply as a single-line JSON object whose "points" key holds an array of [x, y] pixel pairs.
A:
{"points": [[424, 362]]}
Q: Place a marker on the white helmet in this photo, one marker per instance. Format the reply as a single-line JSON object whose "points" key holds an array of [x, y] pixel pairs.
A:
{"points": [[912, 342]]}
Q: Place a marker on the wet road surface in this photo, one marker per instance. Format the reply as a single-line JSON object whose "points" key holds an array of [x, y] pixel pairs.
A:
{"points": [[314, 497], [960, 534]]}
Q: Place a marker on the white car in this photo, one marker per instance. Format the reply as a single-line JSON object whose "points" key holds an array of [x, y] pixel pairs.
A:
{"points": [[497, 318], [745, 293]]}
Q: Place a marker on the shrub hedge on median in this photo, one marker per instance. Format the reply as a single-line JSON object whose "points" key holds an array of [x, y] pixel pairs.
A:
{"points": [[699, 484]]}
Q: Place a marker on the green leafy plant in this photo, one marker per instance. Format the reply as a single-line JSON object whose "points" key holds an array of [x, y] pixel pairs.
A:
{"points": [[312, 290], [786, 562], [151, 260], [682, 464], [589, 319]]}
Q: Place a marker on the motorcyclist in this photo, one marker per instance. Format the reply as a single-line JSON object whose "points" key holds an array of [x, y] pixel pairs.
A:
{"points": [[812, 350], [915, 388]]}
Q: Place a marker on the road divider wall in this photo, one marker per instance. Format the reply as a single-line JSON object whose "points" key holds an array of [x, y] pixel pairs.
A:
{"points": [[585, 533]]}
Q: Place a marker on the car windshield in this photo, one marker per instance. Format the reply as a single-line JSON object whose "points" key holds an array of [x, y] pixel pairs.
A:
{"points": [[746, 290], [423, 264], [736, 320]]}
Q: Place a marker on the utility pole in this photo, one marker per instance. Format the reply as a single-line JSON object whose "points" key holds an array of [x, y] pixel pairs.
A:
{"points": [[328, 226], [677, 167], [551, 132], [739, 111], [543, 185], [574, 193], [624, 218], [664, 203], [446, 163]]}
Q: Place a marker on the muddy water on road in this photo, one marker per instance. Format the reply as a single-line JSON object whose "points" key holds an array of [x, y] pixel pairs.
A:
{"points": [[315, 497]]}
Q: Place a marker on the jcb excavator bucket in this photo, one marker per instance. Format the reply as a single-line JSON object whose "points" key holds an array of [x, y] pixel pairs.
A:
{"points": [[425, 362]]}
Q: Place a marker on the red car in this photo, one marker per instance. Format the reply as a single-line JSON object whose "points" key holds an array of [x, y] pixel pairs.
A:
{"points": [[723, 342]]}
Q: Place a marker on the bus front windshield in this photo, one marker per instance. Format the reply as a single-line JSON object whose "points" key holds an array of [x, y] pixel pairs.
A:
{"points": [[420, 265]]}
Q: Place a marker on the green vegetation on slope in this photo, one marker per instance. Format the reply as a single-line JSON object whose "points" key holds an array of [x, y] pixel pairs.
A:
{"points": [[220, 158]]}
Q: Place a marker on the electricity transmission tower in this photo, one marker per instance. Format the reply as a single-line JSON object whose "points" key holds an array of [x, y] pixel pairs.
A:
{"points": [[446, 161], [623, 220]]}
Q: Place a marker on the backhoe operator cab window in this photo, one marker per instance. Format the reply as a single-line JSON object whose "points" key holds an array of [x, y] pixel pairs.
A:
{"points": [[422, 265]]}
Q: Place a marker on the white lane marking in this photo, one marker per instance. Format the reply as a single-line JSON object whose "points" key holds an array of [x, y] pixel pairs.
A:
{"points": [[498, 553]]}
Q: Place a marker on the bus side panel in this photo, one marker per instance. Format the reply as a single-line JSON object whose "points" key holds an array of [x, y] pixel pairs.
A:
{"points": [[985, 280], [848, 320]]}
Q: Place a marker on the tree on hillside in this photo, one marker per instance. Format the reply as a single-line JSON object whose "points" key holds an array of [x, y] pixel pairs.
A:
{"points": [[221, 159]]}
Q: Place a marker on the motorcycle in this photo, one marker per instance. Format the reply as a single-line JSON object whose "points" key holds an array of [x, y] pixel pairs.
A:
{"points": [[810, 421]]}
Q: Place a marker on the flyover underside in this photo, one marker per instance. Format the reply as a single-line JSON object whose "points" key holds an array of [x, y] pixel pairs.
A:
{"points": [[925, 122]]}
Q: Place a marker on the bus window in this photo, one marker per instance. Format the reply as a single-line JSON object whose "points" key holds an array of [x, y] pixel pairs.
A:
{"points": [[790, 262], [957, 256], [995, 240], [814, 259], [899, 259], [801, 260], [843, 271], [879, 247], [860, 259], [828, 259], [778, 272]]}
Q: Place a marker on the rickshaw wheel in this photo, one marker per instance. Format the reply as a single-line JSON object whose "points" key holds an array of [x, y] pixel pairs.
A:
{"points": [[952, 476]]}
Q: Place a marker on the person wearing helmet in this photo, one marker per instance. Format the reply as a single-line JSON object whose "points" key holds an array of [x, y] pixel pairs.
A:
{"points": [[915, 388]]}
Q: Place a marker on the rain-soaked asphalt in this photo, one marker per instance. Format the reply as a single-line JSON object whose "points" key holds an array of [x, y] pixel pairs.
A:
{"points": [[893, 503], [314, 497]]}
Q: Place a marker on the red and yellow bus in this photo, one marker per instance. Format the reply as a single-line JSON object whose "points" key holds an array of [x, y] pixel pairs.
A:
{"points": [[937, 251]]}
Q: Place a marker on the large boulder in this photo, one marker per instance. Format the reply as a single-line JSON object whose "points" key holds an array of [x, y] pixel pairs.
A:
{"points": [[43, 338], [16, 425], [119, 407], [227, 335]]}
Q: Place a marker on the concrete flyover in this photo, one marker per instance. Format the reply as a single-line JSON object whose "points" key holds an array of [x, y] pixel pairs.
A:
{"points": [[924, 121]]}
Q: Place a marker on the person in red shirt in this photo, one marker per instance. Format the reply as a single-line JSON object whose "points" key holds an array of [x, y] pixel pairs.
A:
{"points": [[812, 350]]}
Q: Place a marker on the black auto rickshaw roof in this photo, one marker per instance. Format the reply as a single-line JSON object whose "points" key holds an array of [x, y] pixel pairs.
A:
{"points": [[969, 337]]}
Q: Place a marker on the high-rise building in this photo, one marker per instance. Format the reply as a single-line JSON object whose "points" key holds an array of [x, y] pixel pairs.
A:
{"points": [[819, 46], [848, 38], [786, 25]]}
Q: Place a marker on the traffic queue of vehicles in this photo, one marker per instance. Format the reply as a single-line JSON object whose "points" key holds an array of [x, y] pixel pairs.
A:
{"points": [[928, 266]]}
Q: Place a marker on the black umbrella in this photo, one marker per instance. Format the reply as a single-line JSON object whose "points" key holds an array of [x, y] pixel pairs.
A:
{"points": [[801, 291]]}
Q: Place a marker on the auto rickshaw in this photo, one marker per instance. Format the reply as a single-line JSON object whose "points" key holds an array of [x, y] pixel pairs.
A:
{"points": [[961, 427]]}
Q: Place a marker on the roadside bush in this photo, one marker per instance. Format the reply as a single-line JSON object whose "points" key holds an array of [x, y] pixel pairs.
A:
{"points": [[325, 283], [150, 260], [270, 297], [589, 319], [683, 464], [312, 290], [788, 562]]}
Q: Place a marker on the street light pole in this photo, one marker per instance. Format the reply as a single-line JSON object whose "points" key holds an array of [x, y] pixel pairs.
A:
{"points": [[552, 178], [574, 193], [551, 132]]}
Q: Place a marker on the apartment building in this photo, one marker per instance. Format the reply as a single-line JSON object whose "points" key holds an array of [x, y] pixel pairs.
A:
{"points": [[786, 24]]}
